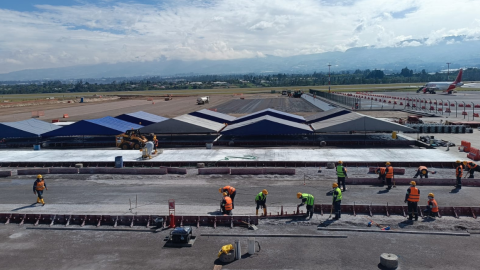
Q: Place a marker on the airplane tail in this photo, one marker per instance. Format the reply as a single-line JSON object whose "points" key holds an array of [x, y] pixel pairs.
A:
{"points": [[459, 77]]}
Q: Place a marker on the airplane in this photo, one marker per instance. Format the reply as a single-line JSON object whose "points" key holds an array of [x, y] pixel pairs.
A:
{"points": [[446, 87]]}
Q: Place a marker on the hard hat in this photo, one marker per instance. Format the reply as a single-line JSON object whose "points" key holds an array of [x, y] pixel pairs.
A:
{"points": [[265, 192], [465, 162], [39, 176], [458, 161], [388, 163], [340, 162], [224, 193], [299, 194], [413, 183], [334, 185], [424, 171], [431, 195], [220, 190]]}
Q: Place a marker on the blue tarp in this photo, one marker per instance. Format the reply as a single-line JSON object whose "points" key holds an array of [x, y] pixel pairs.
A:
{"points": [[266, 125], [141, 118], [25, 129], [95, 127], [271, 112]]}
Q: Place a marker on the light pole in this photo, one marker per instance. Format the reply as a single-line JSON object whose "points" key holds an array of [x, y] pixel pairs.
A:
{"points": [[441, 100], [456, 109], [436, 106], [464, 107], [448, 71], [473, 114], [329, 77]]}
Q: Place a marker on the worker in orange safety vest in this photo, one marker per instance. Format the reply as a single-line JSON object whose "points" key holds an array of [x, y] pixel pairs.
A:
{"points": [[226, 205], [459, 174], [432, 207], [471, 167], [389, 174], [412, 197], [231, 193], [38, 187]]}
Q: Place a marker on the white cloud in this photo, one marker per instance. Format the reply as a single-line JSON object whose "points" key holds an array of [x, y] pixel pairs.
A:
{"points": [[57, 36]]}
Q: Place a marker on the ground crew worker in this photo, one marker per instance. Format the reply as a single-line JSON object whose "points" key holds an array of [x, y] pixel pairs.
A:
{"points": [[227, 204], [471, 168], [155, 144], [382, 173], [432, 206], [389, 174], [231, 193], [337, 200], [341, 174], [459, 174], [38, 187], [422, 171], [261, 199], [308, 200], [412, 197]]}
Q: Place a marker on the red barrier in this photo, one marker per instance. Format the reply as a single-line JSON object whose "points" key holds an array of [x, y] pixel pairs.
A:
{"points": [[63, 171], [206, 171], [397, 171], [279, 171], [466, 146], [248, 171], [171, 170], [474, 154], [32, 172], [5, 173]]}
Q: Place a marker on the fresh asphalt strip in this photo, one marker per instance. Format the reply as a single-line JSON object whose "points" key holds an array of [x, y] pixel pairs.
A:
{"points": [[392, 231], [274, 235]]}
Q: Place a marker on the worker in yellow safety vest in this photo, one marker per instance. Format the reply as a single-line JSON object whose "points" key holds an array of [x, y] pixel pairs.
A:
{"points": [[38, 187], [261, 200], [341, 174], [307, 199], [412, 197], [337, 200]]}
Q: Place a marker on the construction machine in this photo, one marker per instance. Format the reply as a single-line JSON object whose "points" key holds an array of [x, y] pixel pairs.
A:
{"points": [[169, 97], [203, 100], [297, 94], [131, 139]]}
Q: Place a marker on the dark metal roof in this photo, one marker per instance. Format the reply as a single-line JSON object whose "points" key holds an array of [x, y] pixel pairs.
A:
{"points": [[141, 118], [25, 129], [357, 122], [214, 116], [205, 123], [266, 125], [326, 115], [95, 127], [271, 112], [174, 126]]}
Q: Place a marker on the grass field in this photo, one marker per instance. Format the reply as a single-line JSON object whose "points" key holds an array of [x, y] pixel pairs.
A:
{"points": [[405, 87]]}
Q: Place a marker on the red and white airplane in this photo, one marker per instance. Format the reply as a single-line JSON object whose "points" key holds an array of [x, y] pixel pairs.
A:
{"points": [[446, 87]]}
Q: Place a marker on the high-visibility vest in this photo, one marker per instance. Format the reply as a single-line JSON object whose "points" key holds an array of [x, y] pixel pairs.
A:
{"points": [[340, 171], [389, 172], [471, 165], [434, 205], [40, 185], [339, 196], [228, 203], [381, 170], [459, 171], [310, 198], [229, 189], [260, 197], [414, 195]]}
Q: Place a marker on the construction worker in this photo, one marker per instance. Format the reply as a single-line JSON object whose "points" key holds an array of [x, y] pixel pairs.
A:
{"points": [[471, 167], [38, 187], [422, 172], [337, 200], [261, 199], [231, 192], [155, 144], [459, 174], [341, 174], [307, 199], [389, 174], [227, 204], [432, 206], [412, 197], [382, 174]]}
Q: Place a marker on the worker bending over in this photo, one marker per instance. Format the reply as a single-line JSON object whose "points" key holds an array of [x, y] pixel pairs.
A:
{"points": [[38, 187], [423, 172], [389, 174], [471, 167], [412, 197], [382, 174], [231, 192], [308, 200], [226, 204], [459, 174], [341, 174], [432, 206], [337, 200], [261, 199]]}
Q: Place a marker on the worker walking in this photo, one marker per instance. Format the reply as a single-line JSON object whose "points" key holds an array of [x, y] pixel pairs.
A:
{"points": [[432, 206], [471, 168], [231, 193], [155, 144], [261, 199], [226, 204], [308, 200], [38, 187], [337, 200], [389, 174], [382, 174], [341, 174], [459, 174], [412, 197], [423, 172]]}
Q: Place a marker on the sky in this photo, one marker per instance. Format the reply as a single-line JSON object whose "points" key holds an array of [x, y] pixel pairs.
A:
{"points": [[38, 34]]}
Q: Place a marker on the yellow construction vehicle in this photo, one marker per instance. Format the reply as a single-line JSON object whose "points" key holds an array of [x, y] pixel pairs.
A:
{"points": [[131, 139]]}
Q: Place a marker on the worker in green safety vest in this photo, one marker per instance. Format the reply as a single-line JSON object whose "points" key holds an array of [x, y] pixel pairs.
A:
{"points": [[341, 174], [261, 199], [337, 200], [308, 200]]}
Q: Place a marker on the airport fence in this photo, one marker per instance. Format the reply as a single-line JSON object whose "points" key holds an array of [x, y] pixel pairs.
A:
{"points": [[349, 101]]}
